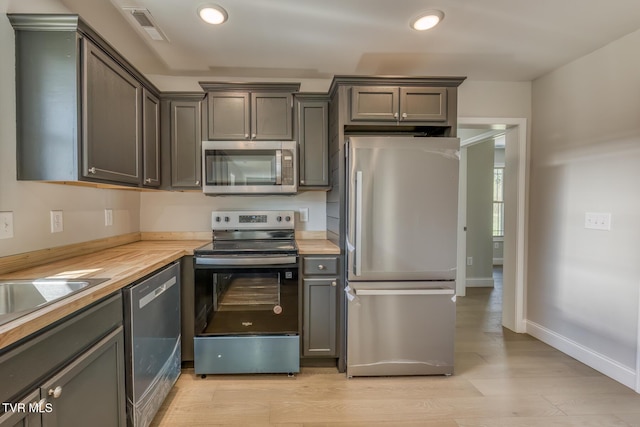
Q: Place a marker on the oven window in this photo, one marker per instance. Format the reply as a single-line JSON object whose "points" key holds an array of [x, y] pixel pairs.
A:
{"points": [[249, 301], [240, 167]]}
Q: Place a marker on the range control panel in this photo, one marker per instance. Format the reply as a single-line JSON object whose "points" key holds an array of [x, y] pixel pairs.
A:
{"points": [[252, 220]]}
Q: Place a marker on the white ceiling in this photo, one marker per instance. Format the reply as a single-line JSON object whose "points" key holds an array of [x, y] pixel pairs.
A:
{"points": [[500, 40]]}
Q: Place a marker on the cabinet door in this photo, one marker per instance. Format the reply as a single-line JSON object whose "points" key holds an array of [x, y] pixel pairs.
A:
{"points": [[24, 416], [271, 116], [228, 115], [312, 132], [423, 104], [319, 323], [112, 114], [90, 390], [151, 140], [374, 103], [186, 142]]}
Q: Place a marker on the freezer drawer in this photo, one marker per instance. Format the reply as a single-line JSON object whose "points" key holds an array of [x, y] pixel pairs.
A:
{"points": [[400, 328]]}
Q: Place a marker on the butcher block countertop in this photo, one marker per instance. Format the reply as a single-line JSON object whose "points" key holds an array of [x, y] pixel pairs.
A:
{"points": [[317, 247], [122, 265]]}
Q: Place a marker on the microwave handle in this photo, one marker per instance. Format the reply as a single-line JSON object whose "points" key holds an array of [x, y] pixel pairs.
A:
{"points": [[278, 167]]}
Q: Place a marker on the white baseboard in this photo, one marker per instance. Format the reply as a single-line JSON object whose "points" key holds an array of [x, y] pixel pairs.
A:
{"points": [[480, 282], [597, 361]]}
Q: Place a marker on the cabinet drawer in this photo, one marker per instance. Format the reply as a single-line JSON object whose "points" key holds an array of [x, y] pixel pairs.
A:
{"points": [[320, 266]]}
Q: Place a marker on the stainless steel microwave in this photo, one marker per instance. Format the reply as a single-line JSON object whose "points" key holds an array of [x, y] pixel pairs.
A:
{"points": [[249, 167]]}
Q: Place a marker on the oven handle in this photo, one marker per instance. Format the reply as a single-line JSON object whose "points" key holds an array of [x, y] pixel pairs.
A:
{"points": [[263, 260]]}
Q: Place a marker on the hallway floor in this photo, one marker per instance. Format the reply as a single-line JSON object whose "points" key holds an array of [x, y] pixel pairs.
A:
{"points": [[501, 379]]}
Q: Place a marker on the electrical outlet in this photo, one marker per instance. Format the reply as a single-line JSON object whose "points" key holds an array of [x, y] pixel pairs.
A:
{"points": [[6, 225], [56, 222], [597, 220], [108, 217], [470, 260], [304, 214]]}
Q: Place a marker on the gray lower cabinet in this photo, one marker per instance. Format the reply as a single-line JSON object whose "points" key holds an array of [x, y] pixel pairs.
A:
{"points": [[311, 131], [320, 298], [182, 130], [398, 104], [71, 374]]}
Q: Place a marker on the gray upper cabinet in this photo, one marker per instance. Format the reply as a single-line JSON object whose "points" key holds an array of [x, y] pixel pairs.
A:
{"points": [[311, 132], [83, 112], [182, 132], [243, 115], [229, 115], [112, 135], [251, 111], [398, 104], [151, 140]]}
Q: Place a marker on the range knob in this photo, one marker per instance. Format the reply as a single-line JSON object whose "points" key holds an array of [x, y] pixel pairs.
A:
{"points": [[279, 219], [217, 219], [226, 219], [287, 218]]}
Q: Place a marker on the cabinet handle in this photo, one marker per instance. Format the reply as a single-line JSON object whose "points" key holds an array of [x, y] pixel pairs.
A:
{"points": [[197, 182], [55, 392], [148, 180], [395, 115], [302, 181], [92, 170], [253, 136], [246, 136], [321, 267], [404, 115], [334, 284]]}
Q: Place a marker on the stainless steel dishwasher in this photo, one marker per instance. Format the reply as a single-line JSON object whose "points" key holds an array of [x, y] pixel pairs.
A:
{"points": [[152, 343]]}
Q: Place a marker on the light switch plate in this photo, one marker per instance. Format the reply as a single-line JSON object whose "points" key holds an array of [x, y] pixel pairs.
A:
{"points": [[108, 217], [597, 220], [304, 214], [57, 225], [6, 225]]}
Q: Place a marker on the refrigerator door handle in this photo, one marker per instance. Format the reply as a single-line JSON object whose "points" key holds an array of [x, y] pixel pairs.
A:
{"points": [[358, 244], [390, 292]]}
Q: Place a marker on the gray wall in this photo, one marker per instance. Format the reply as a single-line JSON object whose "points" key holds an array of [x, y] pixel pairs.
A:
{"points": [[480, 159], [585, 151]]}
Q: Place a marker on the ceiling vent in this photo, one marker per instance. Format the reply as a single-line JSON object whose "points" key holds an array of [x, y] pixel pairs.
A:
{"points": [[146, 23]]}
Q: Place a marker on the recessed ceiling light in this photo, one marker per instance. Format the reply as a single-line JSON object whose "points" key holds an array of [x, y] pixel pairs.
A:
{"points": [[427, 20], [213, 14]]}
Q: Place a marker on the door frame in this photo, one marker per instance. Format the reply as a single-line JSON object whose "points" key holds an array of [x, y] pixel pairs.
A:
{"points": [[514, 317]]}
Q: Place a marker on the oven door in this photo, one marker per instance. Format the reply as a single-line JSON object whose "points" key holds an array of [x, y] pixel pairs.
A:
{"points": [[239, 167], [246, 318]]}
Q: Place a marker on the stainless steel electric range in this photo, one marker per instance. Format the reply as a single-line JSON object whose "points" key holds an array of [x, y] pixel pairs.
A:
{"points": [[246, 295]]}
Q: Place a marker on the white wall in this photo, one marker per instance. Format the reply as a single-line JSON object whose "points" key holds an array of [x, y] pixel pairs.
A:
{"points": [[191, 211], [30, 202], [585, 152]]}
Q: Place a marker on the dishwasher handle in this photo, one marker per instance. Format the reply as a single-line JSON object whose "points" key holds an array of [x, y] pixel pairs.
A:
{"points": [[395, 292]]}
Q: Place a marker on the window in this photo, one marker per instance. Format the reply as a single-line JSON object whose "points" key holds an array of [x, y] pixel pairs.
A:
{"points": [[498, 202]]}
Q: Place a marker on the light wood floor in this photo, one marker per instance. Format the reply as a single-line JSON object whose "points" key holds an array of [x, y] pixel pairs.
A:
{"points": [[501, 379]]}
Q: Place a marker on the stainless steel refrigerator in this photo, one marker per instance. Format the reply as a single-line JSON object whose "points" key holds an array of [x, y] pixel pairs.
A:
{"points": [[402, 214]]}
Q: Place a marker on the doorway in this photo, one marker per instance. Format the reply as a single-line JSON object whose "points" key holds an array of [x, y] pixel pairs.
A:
{"points": [[515, 130]]}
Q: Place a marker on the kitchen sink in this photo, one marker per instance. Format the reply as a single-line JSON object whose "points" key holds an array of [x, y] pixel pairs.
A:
{"points": [[23, 296]]}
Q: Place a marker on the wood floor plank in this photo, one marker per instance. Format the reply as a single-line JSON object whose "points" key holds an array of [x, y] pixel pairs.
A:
{"points": [[561, 421]]}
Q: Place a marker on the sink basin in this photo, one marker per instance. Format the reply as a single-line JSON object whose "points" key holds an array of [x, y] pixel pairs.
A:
{"points": [[23, 296]]}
